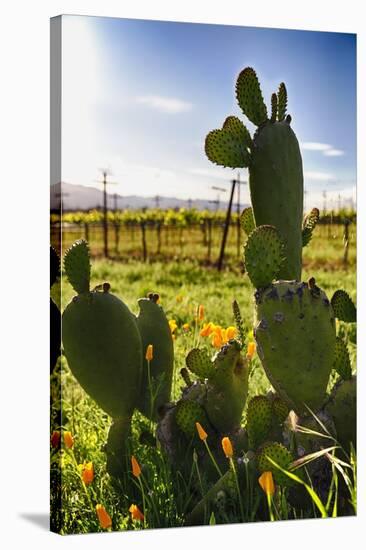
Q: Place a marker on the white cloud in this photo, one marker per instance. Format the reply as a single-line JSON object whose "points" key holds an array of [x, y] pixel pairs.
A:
{"points": [[333, 153], [315, 146], [325, 148], [170, 105], [319, 176]]}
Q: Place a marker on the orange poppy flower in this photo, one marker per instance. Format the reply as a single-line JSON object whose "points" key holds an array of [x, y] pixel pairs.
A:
{"points": [[68, 440], [136, 513], [227, 447], [251, 350], [136, 470], [149, 352], [201, 432], [267, 483], [87, 472], [104, 518], [207, 329]]}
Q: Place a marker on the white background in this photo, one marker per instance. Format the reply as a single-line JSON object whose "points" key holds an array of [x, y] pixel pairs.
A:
{"points": [[24, 188]]}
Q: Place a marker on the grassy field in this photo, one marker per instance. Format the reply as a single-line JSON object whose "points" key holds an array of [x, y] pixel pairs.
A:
{"points": [[163, 495]]}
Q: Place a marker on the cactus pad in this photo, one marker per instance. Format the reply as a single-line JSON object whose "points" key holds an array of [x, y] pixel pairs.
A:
{"points": [[263, 255], [102, 346], [259, 420], [295, 335], [235, 126], [157, 376], [343, 408], [249, 96], [226, 149], [280, 408], [247, 221], [187, 414], [77, 266], [308, 226], [342, 363], [279, 454], [274, 107], [199, 363], [227, 388], [344, 308], [239, 322], [282, 101]]}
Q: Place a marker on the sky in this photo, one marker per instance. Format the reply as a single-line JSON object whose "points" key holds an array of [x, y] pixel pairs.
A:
{"points": [[139, 97]]}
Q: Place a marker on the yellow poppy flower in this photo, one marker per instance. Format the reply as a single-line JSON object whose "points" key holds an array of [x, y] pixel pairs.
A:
{"points": [[230, 333], [173, 325]]}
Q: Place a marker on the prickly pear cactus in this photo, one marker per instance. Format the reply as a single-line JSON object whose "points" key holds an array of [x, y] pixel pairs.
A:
{"points": [[274, 161], [101, 342], [158, 373], [216, 400], [295, 334], [102, 345]]}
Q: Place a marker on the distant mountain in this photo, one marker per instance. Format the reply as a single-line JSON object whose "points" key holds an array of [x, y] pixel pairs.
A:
{"points": [[80, 197]]}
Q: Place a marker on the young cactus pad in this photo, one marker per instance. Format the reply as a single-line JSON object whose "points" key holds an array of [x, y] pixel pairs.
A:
{"points": [[259, 420], [157, 374], [263, 255], [343, 408], [227, 388], [101, 342], [274, 162], [280, 455], [295, 334], [344, 308]]}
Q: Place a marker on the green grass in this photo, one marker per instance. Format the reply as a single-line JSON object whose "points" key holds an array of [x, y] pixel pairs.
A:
{"points": [[183, 285]]}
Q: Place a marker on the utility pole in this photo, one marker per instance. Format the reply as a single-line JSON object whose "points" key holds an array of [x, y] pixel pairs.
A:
{"points": [[157, 201], [324, 203], [217, 201], [105, 173]]}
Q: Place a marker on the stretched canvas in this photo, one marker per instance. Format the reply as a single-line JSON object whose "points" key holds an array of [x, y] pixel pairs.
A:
{"points": [[203, 274]]}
